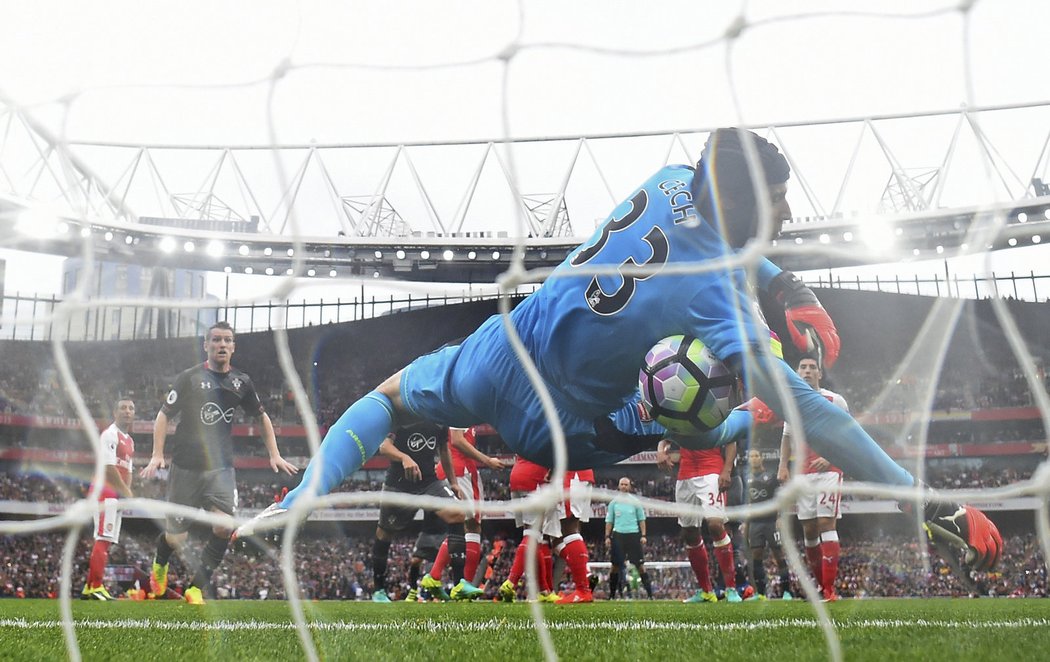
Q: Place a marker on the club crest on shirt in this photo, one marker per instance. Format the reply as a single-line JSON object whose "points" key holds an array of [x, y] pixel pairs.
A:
{"points": [[236, 381]]}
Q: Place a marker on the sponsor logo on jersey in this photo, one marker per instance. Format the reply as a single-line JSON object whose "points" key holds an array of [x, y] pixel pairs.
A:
{"points": [[212, 413], [417, 442], [207, 385]]}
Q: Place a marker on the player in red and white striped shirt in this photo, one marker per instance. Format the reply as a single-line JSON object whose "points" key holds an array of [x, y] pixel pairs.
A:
{"points": [[818, 512], [703, 478], [116, 448]]}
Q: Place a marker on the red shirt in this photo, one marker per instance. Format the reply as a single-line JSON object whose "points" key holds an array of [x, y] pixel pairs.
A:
{"points": [[700, 463], [527, 476], [461, 464], [585, 476], [808, 452], [116, 449]]}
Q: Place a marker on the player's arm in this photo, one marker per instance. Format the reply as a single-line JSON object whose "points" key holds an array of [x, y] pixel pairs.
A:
{"points": [[610, 517], [388, 450], [663, 456], [277, 463], [160, 434], [783, 470], [445, 458], [641, 520], [809, 325], [114, 479], [471, 451], [725, 476]]}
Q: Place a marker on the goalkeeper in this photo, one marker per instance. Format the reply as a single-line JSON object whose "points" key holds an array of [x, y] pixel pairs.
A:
{"points": [[587, 335]]}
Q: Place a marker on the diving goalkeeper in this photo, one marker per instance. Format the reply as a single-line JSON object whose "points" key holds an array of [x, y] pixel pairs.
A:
{"points": [[588, 327]]}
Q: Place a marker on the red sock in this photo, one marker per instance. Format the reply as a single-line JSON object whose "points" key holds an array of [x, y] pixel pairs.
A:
{"points": [[574, 551], [829, 561], [698, 560], [440, 562], [546, 562], [470, 568], [97, 565], [517, 569], [813, 558], [724, 556]]}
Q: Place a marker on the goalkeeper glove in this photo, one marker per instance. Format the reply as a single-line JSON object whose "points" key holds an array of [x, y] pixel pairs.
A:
{"points": [[965, 530], [808, 323], [760, 412]]}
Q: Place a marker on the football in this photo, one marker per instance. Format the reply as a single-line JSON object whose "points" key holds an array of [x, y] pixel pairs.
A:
{"points": [[685, 387]]}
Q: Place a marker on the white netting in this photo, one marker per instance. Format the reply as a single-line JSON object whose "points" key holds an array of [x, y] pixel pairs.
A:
{"points": [[535, 121]]}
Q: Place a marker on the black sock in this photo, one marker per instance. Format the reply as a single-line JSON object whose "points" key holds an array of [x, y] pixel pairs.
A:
{"points": [[559, 572], [758, 568], [380, 552], [646, 583], [785, 580], [413, 575], [457, 550], [614, 583], [211, 557], [164, 550]]}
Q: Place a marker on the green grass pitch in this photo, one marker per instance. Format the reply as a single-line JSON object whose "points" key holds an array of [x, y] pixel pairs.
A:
{"points": [[984, 629]]}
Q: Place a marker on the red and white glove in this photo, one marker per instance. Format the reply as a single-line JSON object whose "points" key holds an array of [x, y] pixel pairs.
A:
{"points": [[761, 413], [809, 325], [968, 531]]}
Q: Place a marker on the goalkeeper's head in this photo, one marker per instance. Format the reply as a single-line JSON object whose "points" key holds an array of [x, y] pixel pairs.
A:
{"points": [[724, 186]]}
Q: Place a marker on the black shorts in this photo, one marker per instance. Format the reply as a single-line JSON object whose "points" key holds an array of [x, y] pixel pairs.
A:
{"points": [[395, 518], [763, 533], [627, 546], [214, 489]]}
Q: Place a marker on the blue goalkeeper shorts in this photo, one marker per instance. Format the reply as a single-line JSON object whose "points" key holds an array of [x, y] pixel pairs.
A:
{"points": [[482, 381]]}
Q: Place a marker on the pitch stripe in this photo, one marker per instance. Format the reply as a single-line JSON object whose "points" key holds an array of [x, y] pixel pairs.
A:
{"points": [[520, 625]]}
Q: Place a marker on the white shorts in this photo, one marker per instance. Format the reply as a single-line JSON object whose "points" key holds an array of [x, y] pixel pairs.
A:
{"points": [[579, 505], [473, 493], [701, 491], [107, 521], [547, 523], [824, 503]]}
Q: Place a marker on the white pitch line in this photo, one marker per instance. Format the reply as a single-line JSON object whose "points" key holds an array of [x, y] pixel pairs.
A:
{"points": [[491, 625]]}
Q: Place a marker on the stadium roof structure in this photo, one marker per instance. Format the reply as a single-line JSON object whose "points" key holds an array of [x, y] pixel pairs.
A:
{"points": [[807, 243], [53, 200]]}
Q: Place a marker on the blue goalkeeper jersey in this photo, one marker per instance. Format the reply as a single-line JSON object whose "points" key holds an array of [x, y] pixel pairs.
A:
{"points": [[589, 334]]}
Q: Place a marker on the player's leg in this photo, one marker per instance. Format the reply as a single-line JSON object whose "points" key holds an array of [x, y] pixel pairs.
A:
{"points": [[616, 563], [184, 488], [723, 549], [380, 557], [783, 570], [698, 561], [827, 517], [829, 557], [470, 485], [636, 554], [811, 536], [352, 439], [219, 496], [107, 532], [573, 551], [434, 531]]}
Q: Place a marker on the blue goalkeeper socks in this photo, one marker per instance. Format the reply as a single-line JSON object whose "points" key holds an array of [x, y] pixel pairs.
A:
{"points": [[829, 430], [350, 441]]}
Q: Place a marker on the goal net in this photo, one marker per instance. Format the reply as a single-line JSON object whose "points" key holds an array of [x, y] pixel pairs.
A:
{"points": [[319, 178]]}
